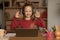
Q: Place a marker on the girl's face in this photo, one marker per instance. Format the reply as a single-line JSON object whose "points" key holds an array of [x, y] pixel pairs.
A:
{"points": [[28, 11]]}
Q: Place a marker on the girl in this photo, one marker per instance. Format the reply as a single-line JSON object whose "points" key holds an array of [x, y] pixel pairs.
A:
{"points": [[27, 22]]}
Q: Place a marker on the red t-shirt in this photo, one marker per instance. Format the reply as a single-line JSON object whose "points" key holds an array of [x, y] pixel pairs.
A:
{"points": [[27, 23]]}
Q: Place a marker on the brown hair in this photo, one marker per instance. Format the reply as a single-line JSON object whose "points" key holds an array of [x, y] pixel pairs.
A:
{"points": [[32, 16], [24, 8]]}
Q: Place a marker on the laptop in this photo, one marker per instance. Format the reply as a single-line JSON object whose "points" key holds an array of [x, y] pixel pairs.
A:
{"points": [[25, 32]]}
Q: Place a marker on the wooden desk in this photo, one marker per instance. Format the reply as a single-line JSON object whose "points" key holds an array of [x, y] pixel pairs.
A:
{"points": [[40, 37], [29, 38]]}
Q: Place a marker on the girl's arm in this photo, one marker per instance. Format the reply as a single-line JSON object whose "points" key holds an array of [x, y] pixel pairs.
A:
{"points": [[14, 23], [40, 22]]}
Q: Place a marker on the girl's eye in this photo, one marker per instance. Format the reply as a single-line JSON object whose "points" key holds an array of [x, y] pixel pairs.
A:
{"points": [[30, 11], [26, 11]]}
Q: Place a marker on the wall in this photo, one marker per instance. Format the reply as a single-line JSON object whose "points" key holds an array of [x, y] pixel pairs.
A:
{"points": [[53, 13]]}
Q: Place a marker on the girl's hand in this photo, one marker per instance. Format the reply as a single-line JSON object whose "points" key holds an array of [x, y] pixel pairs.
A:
{"points": [[45, 29], [37, 14], [17, 14]]}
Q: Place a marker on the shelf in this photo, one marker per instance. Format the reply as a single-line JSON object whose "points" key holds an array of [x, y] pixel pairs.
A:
{"points": [[8, 20], [24, 2], [35, 2], [41, 8], [12, 7], [21, 8]]}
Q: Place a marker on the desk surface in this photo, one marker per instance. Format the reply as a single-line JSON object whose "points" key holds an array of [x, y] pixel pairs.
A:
{"points": [[30, 38]]}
